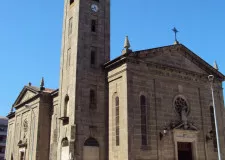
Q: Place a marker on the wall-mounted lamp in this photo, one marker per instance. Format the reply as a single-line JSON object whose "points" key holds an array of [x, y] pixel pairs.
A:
{"points": [[209, 136], [163, 133]]}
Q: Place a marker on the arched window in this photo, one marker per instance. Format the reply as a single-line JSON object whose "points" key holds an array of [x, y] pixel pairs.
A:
{"points": [[93, 25], [92, 99], [117, 121], [65, 148], [65, 142], [213, 126], [66, 101], [143, 120], [71, 2], [91, 142]]}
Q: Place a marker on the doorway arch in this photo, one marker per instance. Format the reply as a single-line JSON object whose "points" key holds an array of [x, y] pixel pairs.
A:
{"points": [[91, 149], [65, 149]]}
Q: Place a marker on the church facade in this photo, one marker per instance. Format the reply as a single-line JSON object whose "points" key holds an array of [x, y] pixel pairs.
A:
{"points": [[143, 105]]}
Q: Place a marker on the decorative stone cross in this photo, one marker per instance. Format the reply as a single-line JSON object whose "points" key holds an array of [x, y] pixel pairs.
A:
{"points": [[175, 32]]}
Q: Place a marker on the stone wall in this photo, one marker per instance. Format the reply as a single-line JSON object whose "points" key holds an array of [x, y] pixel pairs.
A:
{"points": [[161, 85], [162, 75], [29, 130], [117, 79], [78, 76]]}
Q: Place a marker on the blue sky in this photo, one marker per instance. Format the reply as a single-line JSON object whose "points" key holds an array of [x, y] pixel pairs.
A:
{"points": [[30, 36]]}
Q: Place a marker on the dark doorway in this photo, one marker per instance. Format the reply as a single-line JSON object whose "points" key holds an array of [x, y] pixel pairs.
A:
{"points": [[184, 151]]}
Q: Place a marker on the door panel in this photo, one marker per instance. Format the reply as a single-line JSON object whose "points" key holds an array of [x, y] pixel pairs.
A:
{"points": [[91, 153]]}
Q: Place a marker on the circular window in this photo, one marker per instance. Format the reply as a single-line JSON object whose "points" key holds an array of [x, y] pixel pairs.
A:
{"points": [[181, 104]]}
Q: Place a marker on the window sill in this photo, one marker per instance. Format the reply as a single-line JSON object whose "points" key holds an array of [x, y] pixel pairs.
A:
{"points": [[65, 120], [145, 147]]}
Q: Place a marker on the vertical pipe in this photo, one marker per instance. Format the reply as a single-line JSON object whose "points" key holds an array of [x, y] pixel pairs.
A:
{"points": [[215, 118]]}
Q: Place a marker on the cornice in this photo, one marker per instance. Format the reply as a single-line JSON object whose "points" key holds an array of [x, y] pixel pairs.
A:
{"points": [[137, 57], [159, 69], [200, 62], [110, 78], [11, 115], [55, 93]]}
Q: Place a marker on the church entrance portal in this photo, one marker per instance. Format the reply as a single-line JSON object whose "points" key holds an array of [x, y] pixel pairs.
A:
{"points": [[184, 151], [91, 149]]}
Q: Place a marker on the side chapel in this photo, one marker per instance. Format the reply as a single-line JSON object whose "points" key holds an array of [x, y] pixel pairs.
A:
{"points": [[143, 105]]}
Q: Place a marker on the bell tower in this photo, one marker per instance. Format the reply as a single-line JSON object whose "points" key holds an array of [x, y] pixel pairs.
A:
{"points": [[82, 128]]}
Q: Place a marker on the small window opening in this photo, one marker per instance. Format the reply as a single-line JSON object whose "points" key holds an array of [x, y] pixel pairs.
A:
{"points": [[66, 106], [70, 29], [65, 142], [92, 58], [92, 99], [71, 2], [93, 25], [65, 118]]}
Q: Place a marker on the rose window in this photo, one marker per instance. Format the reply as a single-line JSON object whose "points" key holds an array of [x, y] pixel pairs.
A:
{"points": [[180, 104]]}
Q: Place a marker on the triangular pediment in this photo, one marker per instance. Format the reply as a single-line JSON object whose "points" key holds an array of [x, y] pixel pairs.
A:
{"points": [[27, 96], [175, 59], [179, 57], [27, 93]]}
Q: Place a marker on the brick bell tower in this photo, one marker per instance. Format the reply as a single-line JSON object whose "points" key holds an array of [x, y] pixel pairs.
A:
{"points": [[82, 111]]}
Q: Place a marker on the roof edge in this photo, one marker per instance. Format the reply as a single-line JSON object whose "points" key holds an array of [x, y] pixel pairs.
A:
{"points": [[191, 53], [11, 115]]}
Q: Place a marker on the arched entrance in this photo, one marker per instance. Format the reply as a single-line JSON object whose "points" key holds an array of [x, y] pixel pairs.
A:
{"points": [[91, 149]]}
